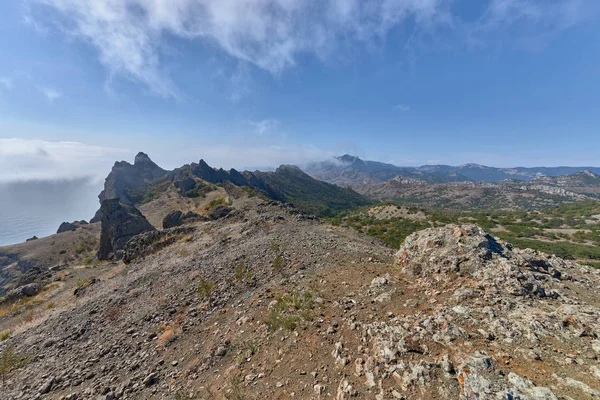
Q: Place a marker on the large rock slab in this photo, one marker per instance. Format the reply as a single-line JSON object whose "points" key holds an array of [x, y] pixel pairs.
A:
{"points": [[120, 223]]}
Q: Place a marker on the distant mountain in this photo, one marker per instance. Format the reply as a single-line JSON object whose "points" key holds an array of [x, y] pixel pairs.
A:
{"points": [[482, 173], [142, 181], [585, 178], [349, 170]]}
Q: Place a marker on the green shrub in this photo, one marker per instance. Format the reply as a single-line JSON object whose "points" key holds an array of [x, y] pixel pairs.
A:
{"points": [[278, 263], [290, 311], [4, 335], [10, 360], [206, 287], [213, 203]]}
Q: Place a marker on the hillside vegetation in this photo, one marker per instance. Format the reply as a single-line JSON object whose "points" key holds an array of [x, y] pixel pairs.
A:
{"points": [[569, 230]]}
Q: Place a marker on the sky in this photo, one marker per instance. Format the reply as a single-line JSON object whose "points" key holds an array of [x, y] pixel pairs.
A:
{"points": [[257, 83]]}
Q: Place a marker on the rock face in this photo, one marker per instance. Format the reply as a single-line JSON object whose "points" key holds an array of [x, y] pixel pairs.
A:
{"points": [[120, 222], [66, 227]]}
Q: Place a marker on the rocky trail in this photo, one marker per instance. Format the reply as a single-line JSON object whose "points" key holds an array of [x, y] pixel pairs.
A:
{"points": [[270, 303]]}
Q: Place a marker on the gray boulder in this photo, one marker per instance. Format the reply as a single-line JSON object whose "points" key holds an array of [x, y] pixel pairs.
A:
{"points": [[177, 218], [120, 222], [66, 227], [219, 212]]}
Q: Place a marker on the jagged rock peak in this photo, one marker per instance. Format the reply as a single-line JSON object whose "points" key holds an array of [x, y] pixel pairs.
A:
{"points": [[141, 158]]}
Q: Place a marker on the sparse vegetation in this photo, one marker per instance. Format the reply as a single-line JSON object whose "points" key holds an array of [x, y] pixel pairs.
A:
{"points": [[10, 360], [206, 287], [243, 273], [237, 388], [201, 189], [278, 263], [569, 230], [4, 335], [213, 203], [290, 310], [144, 195]]}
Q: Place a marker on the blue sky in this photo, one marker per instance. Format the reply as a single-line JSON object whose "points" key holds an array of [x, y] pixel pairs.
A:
{"points": [[256, 83]]}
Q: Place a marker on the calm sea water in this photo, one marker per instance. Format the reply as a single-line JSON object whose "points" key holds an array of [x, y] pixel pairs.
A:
{"points": [[39, 207]]}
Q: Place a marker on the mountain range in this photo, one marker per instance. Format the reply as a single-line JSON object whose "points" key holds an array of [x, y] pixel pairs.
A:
{"points": [[349, 170]]}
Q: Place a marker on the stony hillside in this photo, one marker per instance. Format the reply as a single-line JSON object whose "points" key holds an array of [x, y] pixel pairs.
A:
{"points": [[268, 302], [539, 192]]}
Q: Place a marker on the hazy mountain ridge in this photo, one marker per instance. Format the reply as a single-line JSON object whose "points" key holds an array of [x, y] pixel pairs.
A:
{"points": [[348, 170]]}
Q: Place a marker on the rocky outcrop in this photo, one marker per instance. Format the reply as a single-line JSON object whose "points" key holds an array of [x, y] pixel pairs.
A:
{"points": [[32, 238], [177, 218], [66, 227], [469, 251], [220, 211], [124, 177], [120, 222]]}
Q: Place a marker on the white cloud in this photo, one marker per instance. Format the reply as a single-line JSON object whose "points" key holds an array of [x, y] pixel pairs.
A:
{"points": [[265, 127], [26, 159], [240, 156], [51, 94], [402, 107], [5, 82], [530, 22], [29, 159], [269, 34]]}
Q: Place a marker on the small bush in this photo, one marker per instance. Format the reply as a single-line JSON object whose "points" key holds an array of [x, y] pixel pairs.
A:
{"points": [[290, 311], [50, 305], [10, 360], [4, 335], [243, 273], [113, 313], [183, 252], [237, 389], [80, 248], [278, 263], [213, 203], [206, 287]]}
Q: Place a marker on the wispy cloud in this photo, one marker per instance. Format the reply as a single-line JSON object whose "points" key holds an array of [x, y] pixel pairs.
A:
{"points": [[265, 127], [51, 94], [530, 22], [269, 34], [130, 35], [29, 159], [402, 107]]}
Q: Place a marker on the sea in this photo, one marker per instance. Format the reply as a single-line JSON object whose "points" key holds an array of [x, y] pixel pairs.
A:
{"points": [[38, 207]]}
